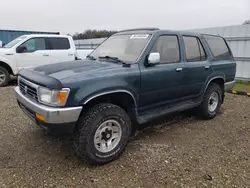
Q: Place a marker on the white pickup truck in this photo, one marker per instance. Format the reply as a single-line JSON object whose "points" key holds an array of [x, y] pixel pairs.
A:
{"points": [[33, 50]]}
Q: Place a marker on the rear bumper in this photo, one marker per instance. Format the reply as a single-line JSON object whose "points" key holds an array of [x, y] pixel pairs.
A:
{"points": [[229, 86], [56, 120]]}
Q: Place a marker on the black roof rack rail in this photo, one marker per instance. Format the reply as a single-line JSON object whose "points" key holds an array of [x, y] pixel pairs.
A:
{"points": [[140, 29], [214, 35]]}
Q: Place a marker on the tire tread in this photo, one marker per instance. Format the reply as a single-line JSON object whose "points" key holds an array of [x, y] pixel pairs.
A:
{"points": [[202, 110], [7, 79], [84, 129]]}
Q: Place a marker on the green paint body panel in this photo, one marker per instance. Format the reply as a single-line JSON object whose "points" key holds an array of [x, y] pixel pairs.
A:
{"points": [[152, 87]]}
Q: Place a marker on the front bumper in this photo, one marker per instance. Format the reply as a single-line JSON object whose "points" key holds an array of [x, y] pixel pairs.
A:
{"points": [[228, 86], [56, 120]]}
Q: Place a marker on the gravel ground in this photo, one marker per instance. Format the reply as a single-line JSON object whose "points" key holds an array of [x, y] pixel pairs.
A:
{"points": [[182, 151]]}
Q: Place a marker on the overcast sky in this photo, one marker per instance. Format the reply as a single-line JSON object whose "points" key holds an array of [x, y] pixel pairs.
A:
{"points": [[70, 16]]}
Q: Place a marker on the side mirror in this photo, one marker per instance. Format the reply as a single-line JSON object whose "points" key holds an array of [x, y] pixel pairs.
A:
{"points": [[154, 58], [21, 49]]}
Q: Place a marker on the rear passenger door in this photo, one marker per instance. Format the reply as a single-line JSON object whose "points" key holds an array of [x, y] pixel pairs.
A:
{"points": [[198, 65], [60, 49]]}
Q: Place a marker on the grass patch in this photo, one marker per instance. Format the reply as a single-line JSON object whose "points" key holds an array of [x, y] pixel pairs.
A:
{"points": [[242, 86], [243, 82]]}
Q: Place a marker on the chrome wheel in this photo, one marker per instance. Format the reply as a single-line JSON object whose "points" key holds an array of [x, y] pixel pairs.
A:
{"points": [[213, 101], [107, 136], [2, 76]]}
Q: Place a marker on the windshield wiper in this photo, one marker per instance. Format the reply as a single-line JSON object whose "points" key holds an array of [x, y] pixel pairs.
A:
{"points": [[91, 57], [115, 59]]}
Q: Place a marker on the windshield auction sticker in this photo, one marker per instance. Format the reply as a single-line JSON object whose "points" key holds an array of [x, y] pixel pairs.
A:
{"points": [[139, 36]]}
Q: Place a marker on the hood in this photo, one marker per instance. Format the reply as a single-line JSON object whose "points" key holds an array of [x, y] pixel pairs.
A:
{"points": [[87, 68], [4, 51]]}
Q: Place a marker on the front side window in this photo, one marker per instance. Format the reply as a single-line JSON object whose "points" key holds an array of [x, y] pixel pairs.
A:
{"points": [[126, 47], [168, 48], [193, 49], [34, 44], [58, 43]]}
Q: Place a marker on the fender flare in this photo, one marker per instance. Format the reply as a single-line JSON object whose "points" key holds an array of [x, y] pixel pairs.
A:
{"points": [[110, 92], [213, 78], [9, 63]]}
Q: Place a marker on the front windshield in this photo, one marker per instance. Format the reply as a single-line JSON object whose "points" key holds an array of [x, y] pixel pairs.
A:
{"points": [[127, 47], [14, 42]]}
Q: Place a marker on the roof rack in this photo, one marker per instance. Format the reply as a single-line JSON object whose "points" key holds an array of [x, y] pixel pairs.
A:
{"points": [[141, 29]]}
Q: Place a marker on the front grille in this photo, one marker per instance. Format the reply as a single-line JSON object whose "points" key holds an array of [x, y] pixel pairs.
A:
{"points": [[28, 90]]}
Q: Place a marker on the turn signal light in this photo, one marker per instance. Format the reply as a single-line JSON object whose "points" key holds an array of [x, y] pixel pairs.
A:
{"points": [[40, 117], [61, 96]]}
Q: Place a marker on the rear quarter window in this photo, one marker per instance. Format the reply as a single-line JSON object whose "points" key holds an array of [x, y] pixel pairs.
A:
{"points": [[58, 43], [218, 47]]}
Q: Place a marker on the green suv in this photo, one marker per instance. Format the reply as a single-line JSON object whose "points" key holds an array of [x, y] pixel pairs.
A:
{"points": [[133, 77]]}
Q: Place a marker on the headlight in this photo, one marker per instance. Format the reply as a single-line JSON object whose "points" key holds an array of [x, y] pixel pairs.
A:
{"points": [[53, 97]]}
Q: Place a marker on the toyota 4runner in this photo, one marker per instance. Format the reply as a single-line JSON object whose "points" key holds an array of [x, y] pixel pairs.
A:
{"points": [[133, 77]]}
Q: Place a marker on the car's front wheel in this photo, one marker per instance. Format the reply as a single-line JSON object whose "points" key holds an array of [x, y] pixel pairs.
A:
{"points": [[103, 133], [4, 76]]}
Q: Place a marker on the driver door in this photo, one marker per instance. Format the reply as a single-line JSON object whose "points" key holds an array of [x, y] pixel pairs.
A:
{"points": [[33, 53], [163, 84]]}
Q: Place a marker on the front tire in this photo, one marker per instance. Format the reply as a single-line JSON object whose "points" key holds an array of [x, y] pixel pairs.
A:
{"points": [[102, 134], [4, 77], [211, 103]]}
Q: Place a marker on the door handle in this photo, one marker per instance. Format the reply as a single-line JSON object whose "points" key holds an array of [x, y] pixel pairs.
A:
{"points": [[70, 54], [45, 54], [179, 69], [207, 67]]}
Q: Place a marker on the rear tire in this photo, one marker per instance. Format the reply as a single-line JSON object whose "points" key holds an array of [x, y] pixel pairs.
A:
{"points": [[4, 76], [102, 134], [211, 103]]}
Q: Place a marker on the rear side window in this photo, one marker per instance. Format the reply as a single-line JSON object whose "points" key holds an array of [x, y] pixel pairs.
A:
{"points": [[58, 43], [168, 48], [218, 47], [193, 49]]}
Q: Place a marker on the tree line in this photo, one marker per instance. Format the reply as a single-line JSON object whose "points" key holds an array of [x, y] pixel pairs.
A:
{"points": [[92, 33]]}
